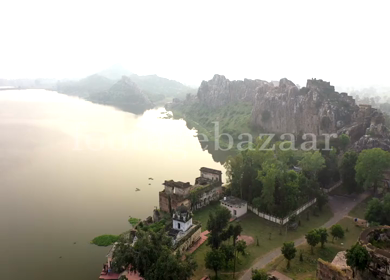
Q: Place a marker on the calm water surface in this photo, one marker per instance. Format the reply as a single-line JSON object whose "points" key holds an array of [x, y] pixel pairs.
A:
{"points": [[68, 172]]}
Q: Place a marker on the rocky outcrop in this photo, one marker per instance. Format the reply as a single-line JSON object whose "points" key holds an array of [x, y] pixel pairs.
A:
{"points": [[220, 91], [370, 124], [124, 93], [316, 108], [380, 257], [337, 270]]}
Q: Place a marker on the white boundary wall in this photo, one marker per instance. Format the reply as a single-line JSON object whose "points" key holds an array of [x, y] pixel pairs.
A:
{"points": [[296, 212]]}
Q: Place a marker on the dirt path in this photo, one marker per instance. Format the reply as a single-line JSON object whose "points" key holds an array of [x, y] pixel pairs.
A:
{"points": [[340, 205]]}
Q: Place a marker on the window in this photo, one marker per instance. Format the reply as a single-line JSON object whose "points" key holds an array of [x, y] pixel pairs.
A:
{"points": [[234, 212], [178, 225]]}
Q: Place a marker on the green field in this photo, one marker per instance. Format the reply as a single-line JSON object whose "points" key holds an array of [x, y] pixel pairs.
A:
{"points": [[307, 269], [257, 228]]}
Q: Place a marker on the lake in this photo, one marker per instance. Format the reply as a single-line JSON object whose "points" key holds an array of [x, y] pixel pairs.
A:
{"points": [[68, 172]]}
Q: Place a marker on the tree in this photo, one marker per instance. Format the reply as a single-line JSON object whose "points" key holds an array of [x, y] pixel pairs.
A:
{"points": [[289, 251], [358, 257], [240, 248], [229, 252], [374, 211], [312, 238], [344, 141], [259, 274], [151, 253], [336, 231], [236, 232], [216, 224], [370, 167], [312, 163], [215, 260], [348, 172], [323, 236], [378, 212], [172, 266], [322, 199], [267, 176]]}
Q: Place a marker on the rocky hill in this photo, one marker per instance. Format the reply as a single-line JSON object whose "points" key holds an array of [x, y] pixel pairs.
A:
{"points": [[220, 91], [283, 107], [316, 108], [124, 93]]}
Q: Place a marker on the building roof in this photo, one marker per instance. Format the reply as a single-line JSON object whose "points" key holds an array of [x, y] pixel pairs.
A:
{"points": [[233, 201], [209, 170], [178, 184], [173, 233], [182, 209]]}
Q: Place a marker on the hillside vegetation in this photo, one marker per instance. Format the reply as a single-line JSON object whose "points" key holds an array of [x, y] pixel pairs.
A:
{"points": [[233, 119]]}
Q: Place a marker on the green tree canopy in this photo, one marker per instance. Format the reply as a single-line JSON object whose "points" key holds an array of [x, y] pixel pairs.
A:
{"points": [[228, 251], [371, 166], [336, 231], [289, 251], [216, 224], [323, 236], [348, 172], [151, 253], [358, 257], [313, 238], [312, 163], [378, 212], [268, 177], [215, 260], [344, 141]]}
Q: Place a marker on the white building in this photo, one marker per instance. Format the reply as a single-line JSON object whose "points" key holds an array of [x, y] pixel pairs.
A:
{"points": [[236, 206], [182, 219]]}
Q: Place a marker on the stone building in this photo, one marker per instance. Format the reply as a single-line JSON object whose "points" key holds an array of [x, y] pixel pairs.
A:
{"points": [[207, 188], [211, 174]]}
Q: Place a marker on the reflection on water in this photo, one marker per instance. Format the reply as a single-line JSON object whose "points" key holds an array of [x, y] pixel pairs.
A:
{"points": [[68, 172]]}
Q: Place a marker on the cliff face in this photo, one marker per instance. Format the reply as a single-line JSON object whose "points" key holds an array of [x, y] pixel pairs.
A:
{"points": [[316, 108], [376, 134], [220, 91]]}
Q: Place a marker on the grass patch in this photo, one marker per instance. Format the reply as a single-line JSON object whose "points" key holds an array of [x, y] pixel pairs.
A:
{"points": [[105, 240], [307, 269], [360, 210], [259, 228], [202, 215]]}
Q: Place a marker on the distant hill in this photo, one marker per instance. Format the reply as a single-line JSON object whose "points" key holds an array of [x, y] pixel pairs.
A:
{"points": [[85, 87], [159, 88], [124, 94], [115, 72]]}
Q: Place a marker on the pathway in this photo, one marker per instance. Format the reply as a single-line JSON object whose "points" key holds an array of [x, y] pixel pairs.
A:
{"points": [[340, 206]]}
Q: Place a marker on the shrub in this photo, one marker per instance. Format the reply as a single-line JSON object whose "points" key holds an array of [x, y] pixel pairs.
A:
{"points": [[105, 240]]}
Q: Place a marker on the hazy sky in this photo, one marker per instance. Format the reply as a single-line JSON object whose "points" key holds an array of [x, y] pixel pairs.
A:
{"points": [[345, 42]]}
